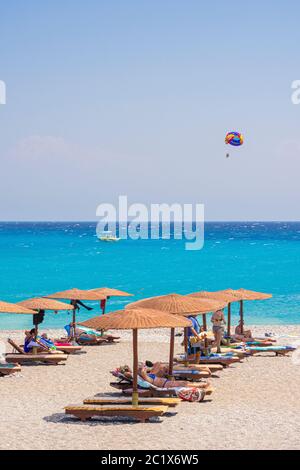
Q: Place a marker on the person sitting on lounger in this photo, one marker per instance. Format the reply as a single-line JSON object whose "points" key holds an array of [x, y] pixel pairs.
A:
{"points": [[161, 382], [246, 334], [247, 337], [31, 342]]}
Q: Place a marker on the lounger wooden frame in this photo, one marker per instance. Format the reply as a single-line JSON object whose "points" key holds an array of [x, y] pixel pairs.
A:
{"points": [[140, 413], [172, 402], [21, 357]]}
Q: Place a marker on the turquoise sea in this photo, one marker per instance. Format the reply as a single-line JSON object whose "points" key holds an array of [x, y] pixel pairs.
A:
{"points": [[41, 258]]}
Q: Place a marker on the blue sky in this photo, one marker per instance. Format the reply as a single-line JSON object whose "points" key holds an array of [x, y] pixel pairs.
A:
{"points": [[135, 97]]}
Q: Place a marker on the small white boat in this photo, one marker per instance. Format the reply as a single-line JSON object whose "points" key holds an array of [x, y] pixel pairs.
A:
{"points": [[108, 236]]}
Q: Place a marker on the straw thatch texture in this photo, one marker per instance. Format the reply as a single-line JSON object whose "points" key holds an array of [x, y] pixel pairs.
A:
{"points": [[41, 303], [6, 307], [136, 318], [109, 292], [77, 294], [179, 304], [217, 295], [245, 294]]}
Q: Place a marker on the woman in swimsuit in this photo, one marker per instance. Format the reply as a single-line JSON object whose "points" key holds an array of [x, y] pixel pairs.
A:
{"points": [[218, 321], [162, 382]]}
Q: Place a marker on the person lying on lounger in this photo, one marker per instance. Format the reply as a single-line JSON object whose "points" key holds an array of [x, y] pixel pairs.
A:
{"points": [[247, 337], [161, 382], [84, 336]]}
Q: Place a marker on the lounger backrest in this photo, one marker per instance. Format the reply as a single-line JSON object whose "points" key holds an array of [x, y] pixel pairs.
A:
{"points": [[15, 346], [121, 376]]}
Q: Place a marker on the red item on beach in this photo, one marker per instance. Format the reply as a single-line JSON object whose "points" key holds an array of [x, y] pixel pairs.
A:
{"points": [[190, 394]]}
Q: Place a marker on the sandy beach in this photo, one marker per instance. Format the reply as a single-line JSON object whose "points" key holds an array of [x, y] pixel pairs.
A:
{"points": [[255, 404]]}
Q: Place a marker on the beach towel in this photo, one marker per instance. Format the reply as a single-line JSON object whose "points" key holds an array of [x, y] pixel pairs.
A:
{"points": [[89, 331], [191, 394], [272, 348]]}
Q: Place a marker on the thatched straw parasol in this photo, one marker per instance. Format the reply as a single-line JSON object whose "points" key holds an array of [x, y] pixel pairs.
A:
{"points": [[76, 296], [41, 304], [135, 319], [109, 292], [6, 307], [181, 305], [244, 294], [222, 296]]}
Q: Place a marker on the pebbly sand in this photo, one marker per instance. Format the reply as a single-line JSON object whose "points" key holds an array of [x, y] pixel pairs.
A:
{"points": [[256, 404]]}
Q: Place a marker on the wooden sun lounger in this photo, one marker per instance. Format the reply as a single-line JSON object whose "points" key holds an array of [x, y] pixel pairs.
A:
{"points": [[140, 413], [95, 342], [224, 361], [126, 388], [239, 353], [194, 376], [159, 392], [126, 400], [9, 369], [276, 350], [69, 349], [201, 367], [110, 338], [20, 357]]}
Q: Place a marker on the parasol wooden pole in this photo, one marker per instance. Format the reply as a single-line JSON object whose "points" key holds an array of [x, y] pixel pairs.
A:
{"points": [[171, 359], [229, 322], [185, 341], [205, 329], [104, 305], [135, 394], [204, 322], [242, 316], [35, 327], [73, 330]]}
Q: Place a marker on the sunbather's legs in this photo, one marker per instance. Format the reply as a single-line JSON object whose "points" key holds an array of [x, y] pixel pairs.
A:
{"points": [[218, 333], [185, 383]]}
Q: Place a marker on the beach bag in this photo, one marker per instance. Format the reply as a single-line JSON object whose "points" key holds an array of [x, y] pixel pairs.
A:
{"points": [[191, 394]]}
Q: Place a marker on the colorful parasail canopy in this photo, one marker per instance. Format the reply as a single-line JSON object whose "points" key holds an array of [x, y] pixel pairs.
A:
{"points": [[234, 138]]}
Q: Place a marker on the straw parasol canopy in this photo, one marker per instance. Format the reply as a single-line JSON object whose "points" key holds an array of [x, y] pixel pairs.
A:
{"points": [[6, 307], [109, 292], [244, 294], [135, 319], [41, 303], [76, 296], [179, 304], [224, 296]]}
